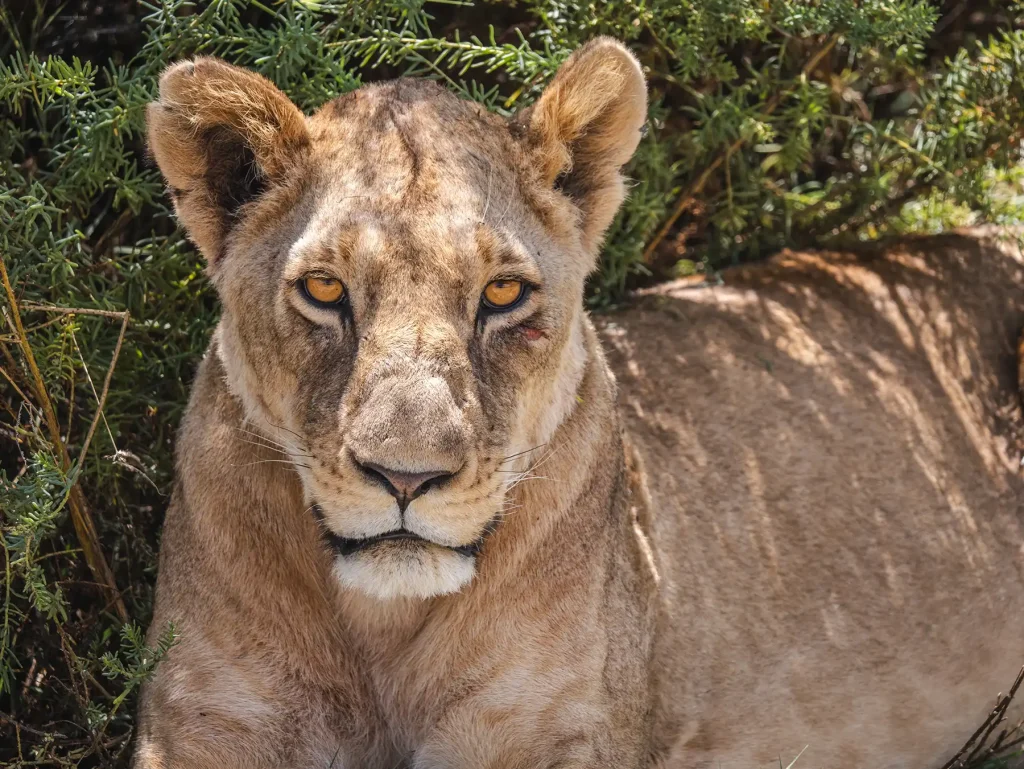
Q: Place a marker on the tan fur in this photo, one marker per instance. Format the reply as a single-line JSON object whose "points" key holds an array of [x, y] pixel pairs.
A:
{"points": [[209, 95], [589, 121], [812, 535], [833, 446]]}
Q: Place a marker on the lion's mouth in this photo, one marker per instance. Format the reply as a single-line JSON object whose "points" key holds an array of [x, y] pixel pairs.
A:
{"points": [[347, 546], [401, 537]]}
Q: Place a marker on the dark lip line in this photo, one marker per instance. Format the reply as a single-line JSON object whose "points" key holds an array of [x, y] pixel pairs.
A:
{"points": [[349, 546]]}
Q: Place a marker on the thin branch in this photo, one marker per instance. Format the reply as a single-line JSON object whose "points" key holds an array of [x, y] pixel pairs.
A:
{"points": [[689, 196], [13, 384], [106, 389], [25, 727], [13, 338], [36, 307], [112, 230]]}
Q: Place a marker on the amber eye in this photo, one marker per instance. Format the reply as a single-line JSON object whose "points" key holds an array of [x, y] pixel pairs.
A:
{"points": [[324, 290], [503, 294]]}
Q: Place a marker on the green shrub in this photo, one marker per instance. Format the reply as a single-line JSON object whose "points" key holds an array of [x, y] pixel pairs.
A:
{"points": [[771, 122]]}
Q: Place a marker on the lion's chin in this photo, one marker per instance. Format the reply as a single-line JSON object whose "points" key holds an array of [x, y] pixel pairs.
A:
{"points": [[389, 570]]}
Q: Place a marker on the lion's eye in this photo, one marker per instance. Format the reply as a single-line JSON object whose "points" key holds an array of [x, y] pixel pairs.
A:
{"points": [[503, 294], [324, 290]]}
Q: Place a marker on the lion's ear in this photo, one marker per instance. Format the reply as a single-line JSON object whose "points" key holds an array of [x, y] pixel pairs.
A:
{"points": [[220, 134], [586, 126]]}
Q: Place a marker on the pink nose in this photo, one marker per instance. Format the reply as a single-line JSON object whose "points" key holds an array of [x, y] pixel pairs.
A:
{"points": [[403, 486]]}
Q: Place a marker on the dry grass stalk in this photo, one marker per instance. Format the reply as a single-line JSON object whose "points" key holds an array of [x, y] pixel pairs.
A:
{"points": [[85, 527]]}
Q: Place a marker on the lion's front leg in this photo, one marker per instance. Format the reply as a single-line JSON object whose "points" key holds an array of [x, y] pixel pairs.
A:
{"points": [[482, 747], [523, 730], [209, 709]]}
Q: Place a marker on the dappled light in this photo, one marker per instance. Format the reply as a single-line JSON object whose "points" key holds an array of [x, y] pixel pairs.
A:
{"points": [[842, 434]]}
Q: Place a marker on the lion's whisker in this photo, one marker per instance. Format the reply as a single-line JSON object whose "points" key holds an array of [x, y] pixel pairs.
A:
{"points": [[525, 477], [519, 454], [545, 458], [287, 430], [269, 442], [262, 439], [277, 461], [487, 202], [288, 451]]}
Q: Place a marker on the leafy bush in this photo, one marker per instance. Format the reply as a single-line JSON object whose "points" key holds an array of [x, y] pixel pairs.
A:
{"points": [[771, 123]]}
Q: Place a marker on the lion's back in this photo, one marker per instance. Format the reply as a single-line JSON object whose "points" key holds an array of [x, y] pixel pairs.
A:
{"points": [[832, 445]]}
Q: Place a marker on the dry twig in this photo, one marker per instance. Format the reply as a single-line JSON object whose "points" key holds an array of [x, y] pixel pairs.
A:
{"points": [[978, 749]]}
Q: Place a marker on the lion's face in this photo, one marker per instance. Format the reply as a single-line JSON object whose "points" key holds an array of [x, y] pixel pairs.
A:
{"points": [[361, 325], [402, 286]]}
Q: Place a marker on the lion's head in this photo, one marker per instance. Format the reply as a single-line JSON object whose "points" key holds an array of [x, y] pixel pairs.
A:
{"points": [[401, 277]]}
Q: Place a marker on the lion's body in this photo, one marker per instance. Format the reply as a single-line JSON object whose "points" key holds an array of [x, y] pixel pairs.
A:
{"points": [[811, 534], [277, 667], [833, 449]]}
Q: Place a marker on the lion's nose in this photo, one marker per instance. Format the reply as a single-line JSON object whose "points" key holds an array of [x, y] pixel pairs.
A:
{"points": [[403, 486]]}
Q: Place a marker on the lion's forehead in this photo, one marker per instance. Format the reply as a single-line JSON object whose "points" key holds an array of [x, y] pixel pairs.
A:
{"points": [[446, 246], [409, 143]]}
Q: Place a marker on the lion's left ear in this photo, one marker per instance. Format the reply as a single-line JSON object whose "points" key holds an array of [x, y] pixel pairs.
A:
{"points": [[586, 126]]}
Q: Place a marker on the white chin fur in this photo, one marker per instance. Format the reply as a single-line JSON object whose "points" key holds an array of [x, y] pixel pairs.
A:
{"points": [[405, 573]]}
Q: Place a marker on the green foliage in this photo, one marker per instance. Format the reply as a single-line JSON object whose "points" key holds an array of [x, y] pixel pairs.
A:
{"points": [[131, 665], [772, 123]]}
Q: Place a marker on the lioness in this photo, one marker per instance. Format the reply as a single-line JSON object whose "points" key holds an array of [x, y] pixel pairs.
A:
{"points": [[407, 532]]}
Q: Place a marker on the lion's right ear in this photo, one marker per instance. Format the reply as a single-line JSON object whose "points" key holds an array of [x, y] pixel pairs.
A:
{"points": [[220, 134]]}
